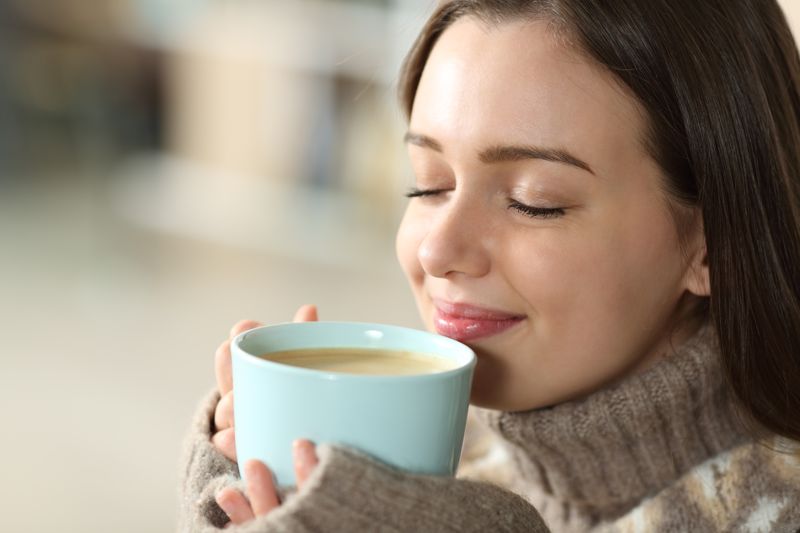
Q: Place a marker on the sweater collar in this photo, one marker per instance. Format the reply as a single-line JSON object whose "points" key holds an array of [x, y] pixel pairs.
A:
{"points": [[604, 453]]}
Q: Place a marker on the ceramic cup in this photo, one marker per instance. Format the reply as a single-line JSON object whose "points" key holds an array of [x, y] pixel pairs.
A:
{"points": [[413, 422]]}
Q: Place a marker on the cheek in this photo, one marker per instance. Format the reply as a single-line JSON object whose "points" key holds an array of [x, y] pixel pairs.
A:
{"points": [[593, 280], [551, 278], [648, 263]]}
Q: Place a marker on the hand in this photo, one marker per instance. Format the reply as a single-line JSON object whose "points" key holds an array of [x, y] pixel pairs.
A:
{"points": [[262, 496], [224, 438]]}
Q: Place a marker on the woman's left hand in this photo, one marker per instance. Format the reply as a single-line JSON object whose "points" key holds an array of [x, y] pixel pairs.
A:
{"points": [[262, 496]]}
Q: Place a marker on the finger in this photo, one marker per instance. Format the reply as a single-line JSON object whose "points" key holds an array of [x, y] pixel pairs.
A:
{"points": [[306, 313], [225, 442], [223, 414], [235, 505], [222, 358], [222, 368], [244, 325], [260, 487], [305, 460]]}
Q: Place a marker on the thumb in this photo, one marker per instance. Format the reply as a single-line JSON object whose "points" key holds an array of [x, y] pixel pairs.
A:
{"points": [[306, 313]]}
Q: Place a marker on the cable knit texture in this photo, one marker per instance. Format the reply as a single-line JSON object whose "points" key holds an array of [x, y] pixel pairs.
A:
{"points": [[660, 452]]}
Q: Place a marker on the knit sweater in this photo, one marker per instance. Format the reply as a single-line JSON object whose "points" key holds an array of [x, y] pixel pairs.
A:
{"points": [[662, 451]]}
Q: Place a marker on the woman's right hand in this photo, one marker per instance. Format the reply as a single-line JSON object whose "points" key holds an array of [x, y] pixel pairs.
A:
{"points": [[223, 437]]}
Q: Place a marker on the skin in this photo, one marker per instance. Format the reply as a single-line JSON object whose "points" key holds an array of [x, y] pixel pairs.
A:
{"points": [[602, 285], [600, 280], [261, 494]]}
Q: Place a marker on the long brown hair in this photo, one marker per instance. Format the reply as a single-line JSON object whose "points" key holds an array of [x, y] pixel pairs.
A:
{"points": [[720, 81]]}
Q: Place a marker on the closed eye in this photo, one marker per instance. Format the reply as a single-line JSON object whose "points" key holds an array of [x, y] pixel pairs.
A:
{"points": [[527, 210], [536, 212], [417, 193]]}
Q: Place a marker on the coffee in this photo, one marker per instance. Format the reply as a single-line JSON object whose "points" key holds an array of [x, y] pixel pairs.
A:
{"points": [[362, 361]]}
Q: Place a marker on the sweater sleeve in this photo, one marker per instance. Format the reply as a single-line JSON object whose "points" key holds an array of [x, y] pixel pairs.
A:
{"points": [[348, 491], [204, 471]]}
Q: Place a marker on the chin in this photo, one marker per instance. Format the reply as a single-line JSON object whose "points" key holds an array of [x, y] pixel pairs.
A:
{"points": [[485, 390]]}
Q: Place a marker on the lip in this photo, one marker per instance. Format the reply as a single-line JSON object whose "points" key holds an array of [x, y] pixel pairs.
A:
{"points": [[465, 322]]}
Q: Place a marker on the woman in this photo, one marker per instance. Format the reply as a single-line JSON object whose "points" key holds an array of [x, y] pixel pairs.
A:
{"points": [[607, 210]]}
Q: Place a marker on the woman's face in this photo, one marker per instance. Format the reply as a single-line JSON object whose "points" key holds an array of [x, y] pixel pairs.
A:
{"points": [[544, 240]]}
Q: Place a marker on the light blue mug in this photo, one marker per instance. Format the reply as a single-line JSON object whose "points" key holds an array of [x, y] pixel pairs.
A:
{"points": [[413, 422]]}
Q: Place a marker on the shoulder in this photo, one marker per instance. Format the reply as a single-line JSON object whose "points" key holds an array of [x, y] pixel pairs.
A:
{"points": [[753, 487]]}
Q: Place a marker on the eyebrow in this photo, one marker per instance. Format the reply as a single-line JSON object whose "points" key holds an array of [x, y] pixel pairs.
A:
{"points": [[501, 154]]}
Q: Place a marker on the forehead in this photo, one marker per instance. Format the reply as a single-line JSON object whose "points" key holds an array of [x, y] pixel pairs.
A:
{"points": [[517, 82]]}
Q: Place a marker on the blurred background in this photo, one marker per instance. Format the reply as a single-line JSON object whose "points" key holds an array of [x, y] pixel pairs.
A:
{"points": [[168, 167]]}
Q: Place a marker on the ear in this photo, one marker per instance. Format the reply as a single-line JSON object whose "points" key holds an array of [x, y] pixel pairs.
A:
{"points": [[696, 279]]}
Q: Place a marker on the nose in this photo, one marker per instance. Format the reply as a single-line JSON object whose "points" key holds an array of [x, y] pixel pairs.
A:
{"points": [[455, 242]]}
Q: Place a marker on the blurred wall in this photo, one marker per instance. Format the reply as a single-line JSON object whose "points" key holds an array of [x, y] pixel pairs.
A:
{"points": [[167, 169], [792, 9]]}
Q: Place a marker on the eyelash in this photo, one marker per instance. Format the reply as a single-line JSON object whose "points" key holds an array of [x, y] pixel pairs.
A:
{"points": [[418, 193], [527, 210], [537, 212]]}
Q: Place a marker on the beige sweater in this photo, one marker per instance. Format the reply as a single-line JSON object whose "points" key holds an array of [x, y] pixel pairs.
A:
{"points": [[659, 452]]}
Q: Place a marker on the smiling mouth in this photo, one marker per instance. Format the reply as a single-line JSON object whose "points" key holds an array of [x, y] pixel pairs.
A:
{"points": [[465, 322]]}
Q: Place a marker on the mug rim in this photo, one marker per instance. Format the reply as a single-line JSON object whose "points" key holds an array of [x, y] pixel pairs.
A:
{"points": [[238, 351]]}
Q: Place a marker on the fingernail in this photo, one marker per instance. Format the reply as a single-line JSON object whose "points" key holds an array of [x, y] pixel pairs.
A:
{"points": [[222, 501], [297, 454], [299, 446], [251, 468]]}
